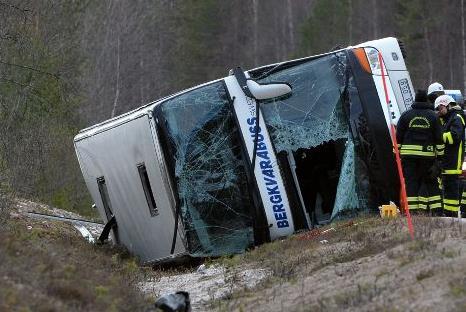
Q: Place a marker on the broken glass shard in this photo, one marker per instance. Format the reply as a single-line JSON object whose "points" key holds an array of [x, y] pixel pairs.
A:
{"points": [[209, 171]]}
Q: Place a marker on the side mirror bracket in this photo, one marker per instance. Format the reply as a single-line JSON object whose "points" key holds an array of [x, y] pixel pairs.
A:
{"points": [[259, 91]]}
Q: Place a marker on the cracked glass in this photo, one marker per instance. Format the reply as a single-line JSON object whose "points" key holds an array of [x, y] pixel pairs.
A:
{"points": [[316, 113], [346, 197], [313, 114], [208, 167]]}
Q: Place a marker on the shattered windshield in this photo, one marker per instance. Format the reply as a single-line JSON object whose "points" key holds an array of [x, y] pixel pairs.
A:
{"points": [[209, 171], [314, 113], [314, 116]]}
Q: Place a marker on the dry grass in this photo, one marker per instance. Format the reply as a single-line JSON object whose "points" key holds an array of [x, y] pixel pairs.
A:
{"points": [[343, 242], [45, 266], [365, 265], [370, 264], [5, 204]]}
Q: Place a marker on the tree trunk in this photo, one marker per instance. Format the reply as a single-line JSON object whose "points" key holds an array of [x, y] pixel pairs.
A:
{"points": [[375, 19], [255, 22], [117, 87], [428, 50], [141, 82], [463, 46], [289, 10], [450, 61], [350, 22]]}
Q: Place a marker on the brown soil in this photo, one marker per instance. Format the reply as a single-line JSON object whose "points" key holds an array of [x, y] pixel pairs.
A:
{"points": [[372, 266], [366, 265]]}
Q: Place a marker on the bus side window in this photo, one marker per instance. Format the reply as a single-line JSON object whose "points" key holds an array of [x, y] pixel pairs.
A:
{"points": [[105, 197], [147, 190]]}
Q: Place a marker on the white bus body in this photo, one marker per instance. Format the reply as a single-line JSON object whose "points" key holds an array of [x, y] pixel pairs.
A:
{"points": [[323, 151]]}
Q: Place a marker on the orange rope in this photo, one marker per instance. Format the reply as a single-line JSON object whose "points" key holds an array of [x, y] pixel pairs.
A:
{"points": [[403, 198]]}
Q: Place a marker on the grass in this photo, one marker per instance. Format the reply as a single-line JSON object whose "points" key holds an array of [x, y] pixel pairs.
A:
{"points": [[362, 238], [44, 266], [424, 274], [342, 252]]}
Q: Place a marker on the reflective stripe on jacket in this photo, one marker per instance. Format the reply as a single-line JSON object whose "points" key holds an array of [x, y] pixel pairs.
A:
{"points": [[419, 132], [453, 137]]}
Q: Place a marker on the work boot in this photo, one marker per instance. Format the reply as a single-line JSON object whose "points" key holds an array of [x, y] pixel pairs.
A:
{"points": [[437, 212], [451, 214], [418, 212]]}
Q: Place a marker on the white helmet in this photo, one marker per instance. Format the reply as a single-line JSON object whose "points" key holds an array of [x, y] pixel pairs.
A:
{"points": [[444, 100], [435, 87]]}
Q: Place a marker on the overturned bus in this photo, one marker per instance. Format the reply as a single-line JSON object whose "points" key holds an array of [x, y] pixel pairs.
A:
{"points": [[251, 157]]}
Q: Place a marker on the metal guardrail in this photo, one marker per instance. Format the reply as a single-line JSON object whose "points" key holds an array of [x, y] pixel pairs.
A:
{"points": [[60, 218]]}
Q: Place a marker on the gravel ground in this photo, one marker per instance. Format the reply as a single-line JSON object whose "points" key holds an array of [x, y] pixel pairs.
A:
{"points": [[206, 283]]}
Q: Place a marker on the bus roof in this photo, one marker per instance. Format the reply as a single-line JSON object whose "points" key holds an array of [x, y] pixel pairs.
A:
{"points": [[143, 110]]}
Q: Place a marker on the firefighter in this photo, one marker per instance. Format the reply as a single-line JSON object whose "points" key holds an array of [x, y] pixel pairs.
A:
{"points": [[463, 198], [419, 136], [433, 92], [453, 123]]}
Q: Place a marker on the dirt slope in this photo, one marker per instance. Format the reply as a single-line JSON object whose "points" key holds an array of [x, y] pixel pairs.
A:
{"points": [[371, 266], [48, 266], [366, 265]]}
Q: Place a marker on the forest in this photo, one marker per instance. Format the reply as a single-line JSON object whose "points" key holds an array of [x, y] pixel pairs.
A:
{"points": [[66, 65]]}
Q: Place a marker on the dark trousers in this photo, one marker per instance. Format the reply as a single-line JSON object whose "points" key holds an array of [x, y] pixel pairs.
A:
{"points": [[451, 194], [422, 188], [463, 197]]}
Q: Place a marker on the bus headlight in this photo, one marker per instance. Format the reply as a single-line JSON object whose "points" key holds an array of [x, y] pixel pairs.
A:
{"points": [[373, 58], [369, 60]]}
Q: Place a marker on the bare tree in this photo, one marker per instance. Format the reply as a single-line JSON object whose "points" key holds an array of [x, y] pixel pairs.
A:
{"points": [[255, 24], [463, 46], [350, 21], [375, 17], [428, 50], [290, 20], [117, 86]]}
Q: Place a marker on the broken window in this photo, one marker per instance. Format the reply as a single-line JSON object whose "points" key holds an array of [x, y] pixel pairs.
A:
{"points": [[209, 170], [313, 125], [346, 196], [313, 114]]}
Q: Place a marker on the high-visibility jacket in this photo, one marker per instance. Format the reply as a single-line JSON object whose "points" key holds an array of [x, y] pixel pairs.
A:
{"points": [[453, 137], [419, 132]]}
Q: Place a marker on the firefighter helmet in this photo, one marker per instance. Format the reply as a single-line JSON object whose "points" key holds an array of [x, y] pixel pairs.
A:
{"points": [[444, 100], [435, 87]]}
